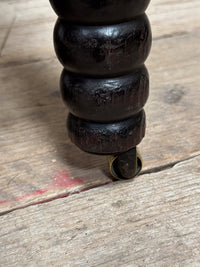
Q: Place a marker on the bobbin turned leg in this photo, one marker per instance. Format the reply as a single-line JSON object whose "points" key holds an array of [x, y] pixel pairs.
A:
{"points": [[103, 46], [119, 138]]}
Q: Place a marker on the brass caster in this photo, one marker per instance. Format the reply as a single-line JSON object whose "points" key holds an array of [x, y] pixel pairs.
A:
{"points": [[125, 166]]}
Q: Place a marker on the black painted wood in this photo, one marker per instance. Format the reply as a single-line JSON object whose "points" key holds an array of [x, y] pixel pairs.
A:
{"points": [[99, 11], [108, 50], [102, 45], [107, 138], [105, 99]]}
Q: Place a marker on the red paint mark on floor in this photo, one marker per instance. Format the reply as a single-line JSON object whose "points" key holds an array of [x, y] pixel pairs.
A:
{"points": [[3, 202], [35, 193], [60, 180]]}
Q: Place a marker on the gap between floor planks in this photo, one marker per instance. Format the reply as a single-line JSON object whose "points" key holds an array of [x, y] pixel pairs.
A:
{"points": [[153, 221], [165, 36], [150, 171], [60, 193]]}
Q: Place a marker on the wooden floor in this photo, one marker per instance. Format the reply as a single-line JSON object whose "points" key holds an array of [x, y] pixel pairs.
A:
{"points": [[153, 220]]}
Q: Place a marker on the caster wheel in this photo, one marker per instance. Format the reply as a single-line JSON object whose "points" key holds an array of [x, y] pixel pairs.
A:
{"points": [[126, 165]]}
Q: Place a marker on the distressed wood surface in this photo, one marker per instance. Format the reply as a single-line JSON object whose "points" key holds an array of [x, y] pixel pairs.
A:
{"points": [[154, 221], [31, 23], [37, 161]]}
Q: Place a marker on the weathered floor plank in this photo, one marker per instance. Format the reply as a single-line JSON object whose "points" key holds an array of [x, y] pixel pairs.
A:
{"points": [[153, 221], [37, 160], [30, 38], [34, 145]]}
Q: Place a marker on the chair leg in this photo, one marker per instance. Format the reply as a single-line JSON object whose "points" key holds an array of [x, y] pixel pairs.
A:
{"points": [[102, 46]]}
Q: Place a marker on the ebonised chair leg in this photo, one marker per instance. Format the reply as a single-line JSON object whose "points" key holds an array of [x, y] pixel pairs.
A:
{"points": [[102, 46]]}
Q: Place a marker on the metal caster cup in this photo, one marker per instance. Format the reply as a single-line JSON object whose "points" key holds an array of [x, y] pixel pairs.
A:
{"points": [[126, 165]]}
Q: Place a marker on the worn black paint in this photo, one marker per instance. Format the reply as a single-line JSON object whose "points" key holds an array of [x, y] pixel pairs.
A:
{"points": [[107, 99], [107, 138], [103, 45], [108, 50], [99, 11]]}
